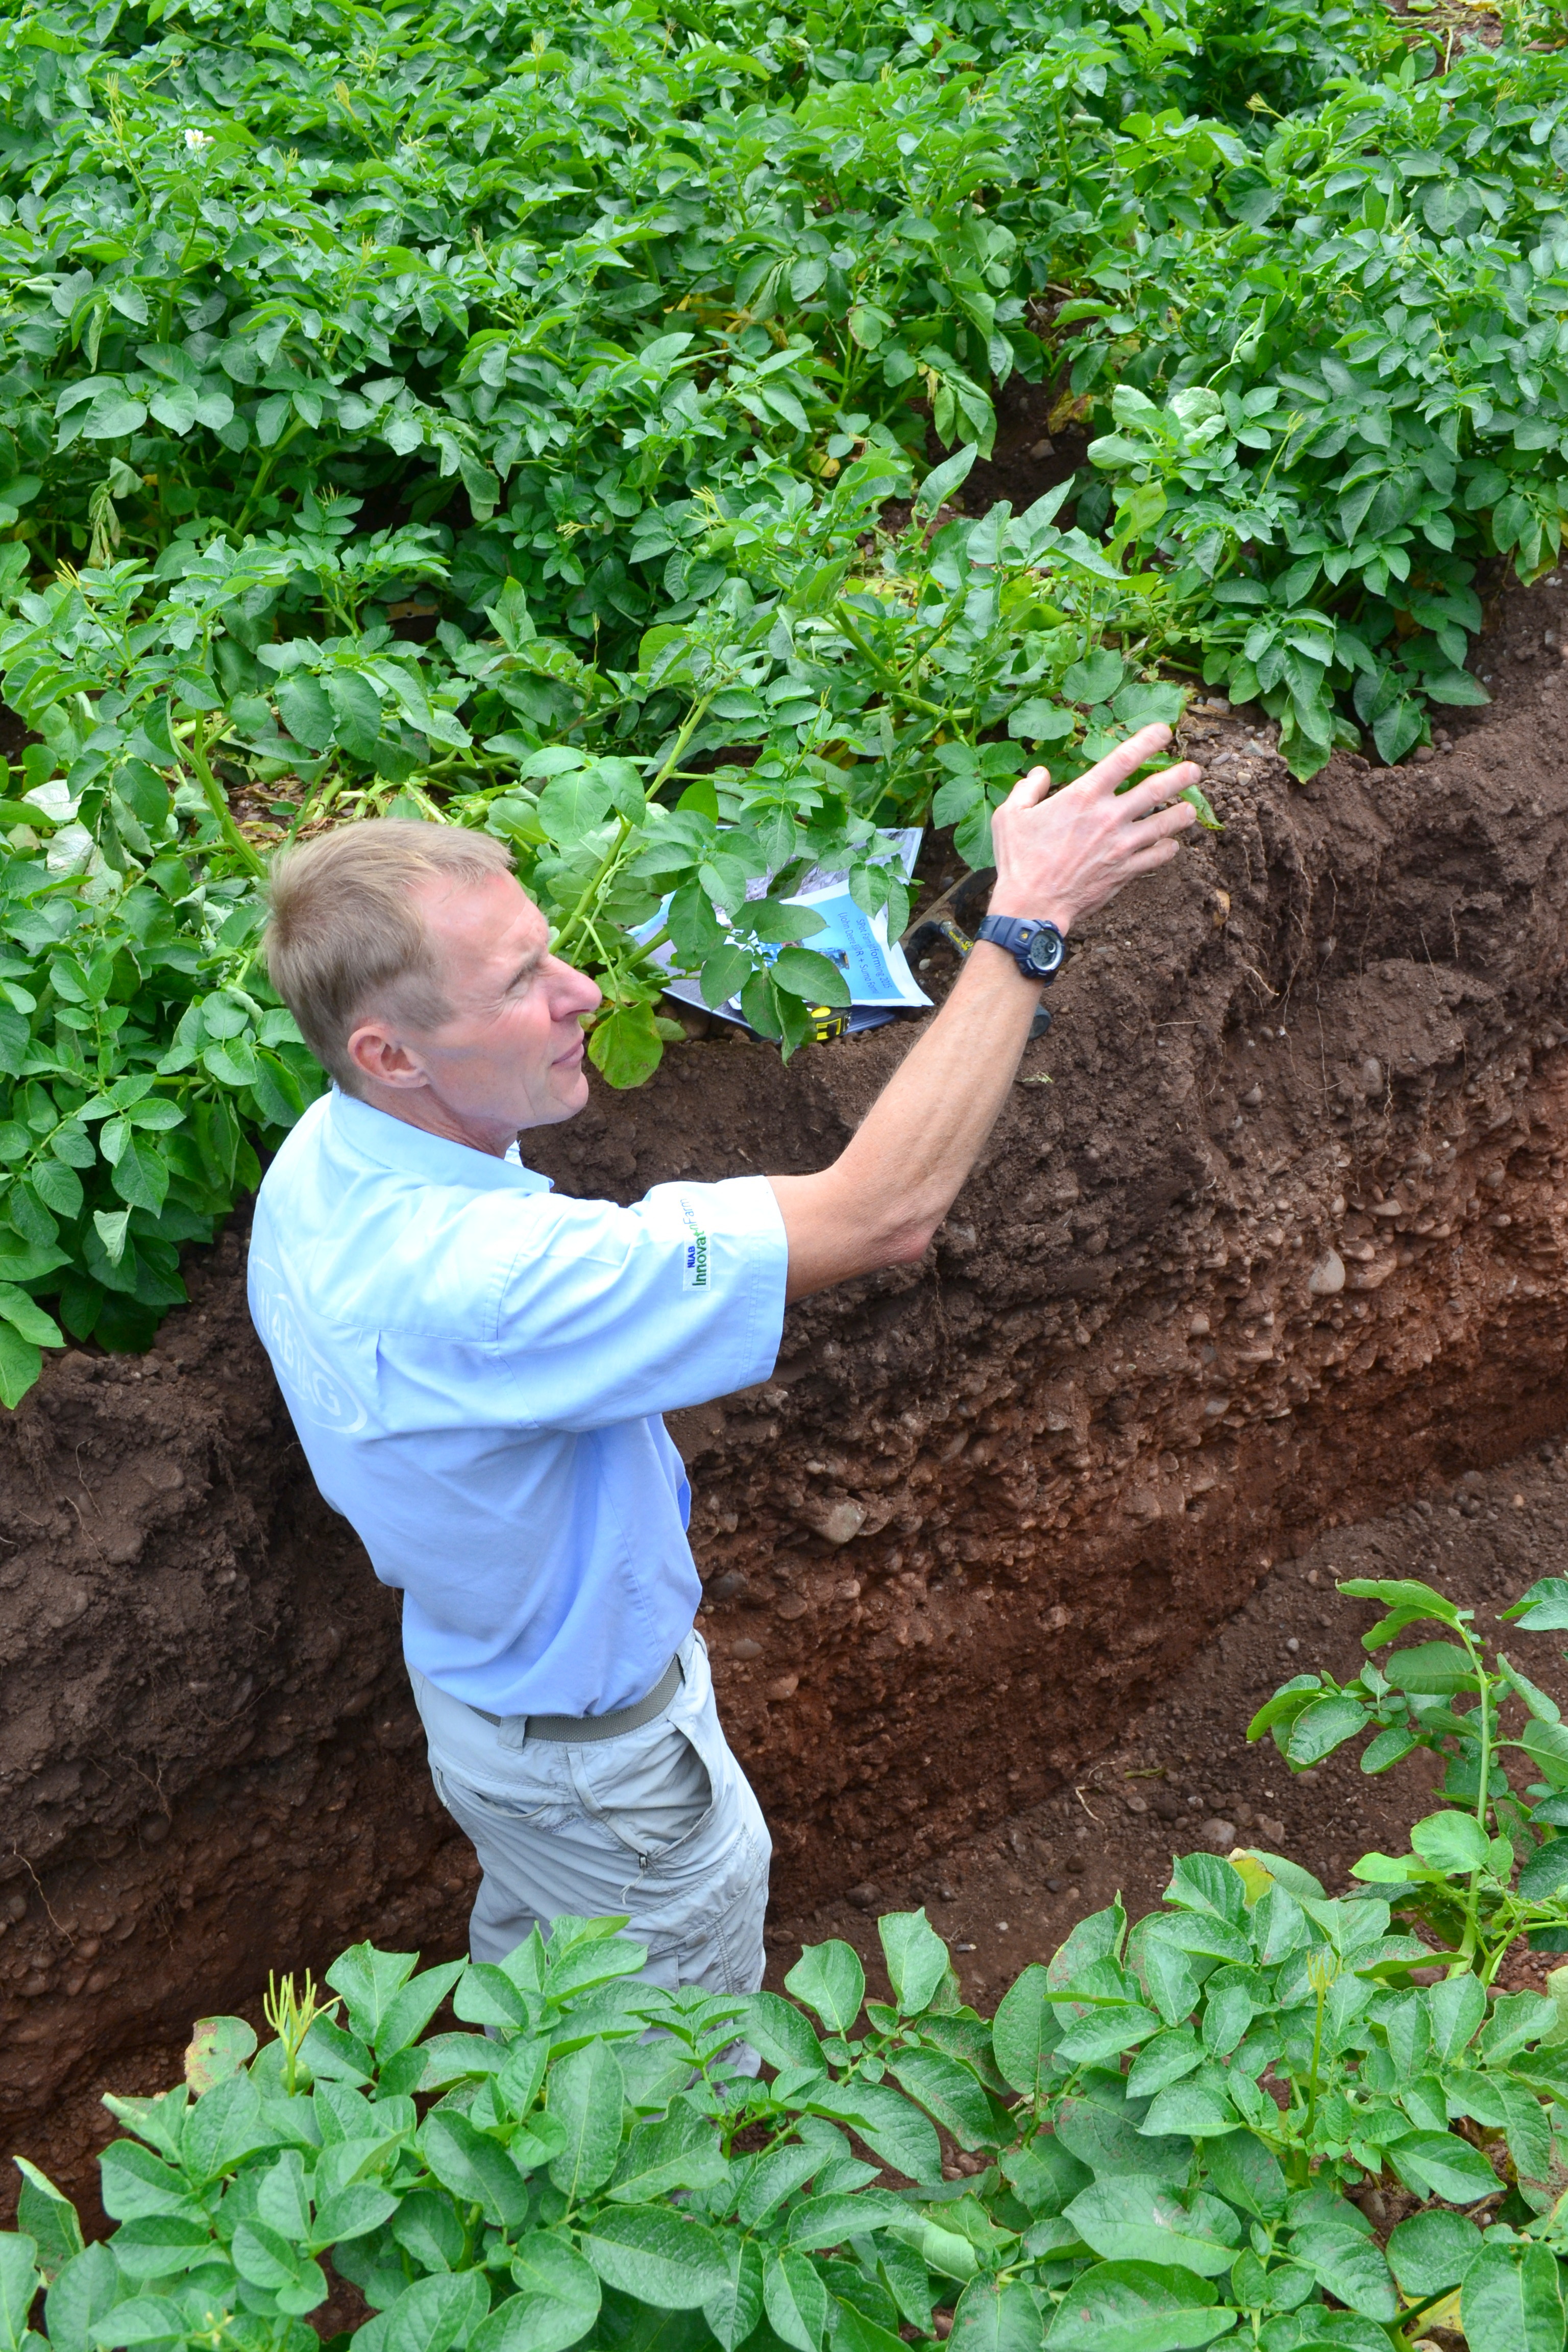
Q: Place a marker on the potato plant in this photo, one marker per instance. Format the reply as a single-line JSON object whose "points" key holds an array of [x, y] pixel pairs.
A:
{"points": [[142, 1068], [1169, 2124], [1168, 2129], [1490, 1868], [564, 426]]}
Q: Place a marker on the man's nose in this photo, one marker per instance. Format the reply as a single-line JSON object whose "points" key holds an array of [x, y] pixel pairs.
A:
{"points": [[575, 991]]}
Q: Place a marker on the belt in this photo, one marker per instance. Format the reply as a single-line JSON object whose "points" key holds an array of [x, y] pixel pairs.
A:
{"points": [[573, 1729]]}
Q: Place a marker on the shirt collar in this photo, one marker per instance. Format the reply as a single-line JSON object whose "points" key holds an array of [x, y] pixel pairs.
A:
{"points": [[413, 1152]]}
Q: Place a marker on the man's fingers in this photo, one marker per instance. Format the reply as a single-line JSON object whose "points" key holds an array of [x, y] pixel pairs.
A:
{"points": [[1159, 853], [1165, 822], [1117, 765], [1029, 789], [1155, 792], [1160, 798]]}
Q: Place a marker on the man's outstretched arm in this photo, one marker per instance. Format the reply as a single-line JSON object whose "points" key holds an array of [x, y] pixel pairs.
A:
{"points": [[1056, 860]]}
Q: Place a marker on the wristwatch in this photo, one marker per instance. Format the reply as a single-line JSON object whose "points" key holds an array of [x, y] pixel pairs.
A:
{"points": [[1037, 949]]}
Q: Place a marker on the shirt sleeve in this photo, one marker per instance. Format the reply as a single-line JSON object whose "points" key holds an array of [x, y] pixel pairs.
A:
{"points": [[608, 1314]]}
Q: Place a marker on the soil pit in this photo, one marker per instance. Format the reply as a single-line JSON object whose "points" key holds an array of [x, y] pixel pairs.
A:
{"points": [[1270, 1236], [1182, 1777]]}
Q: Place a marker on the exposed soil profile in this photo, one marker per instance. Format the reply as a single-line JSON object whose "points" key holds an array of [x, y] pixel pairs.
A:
{"points": [[987, 1508], [1182, 1776]]}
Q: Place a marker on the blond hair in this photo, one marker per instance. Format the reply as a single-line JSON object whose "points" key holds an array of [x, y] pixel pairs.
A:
{"points": [[344, 931]]}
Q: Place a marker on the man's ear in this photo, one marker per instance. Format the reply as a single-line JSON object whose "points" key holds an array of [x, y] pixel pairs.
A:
{"points": [[379, 1054]]}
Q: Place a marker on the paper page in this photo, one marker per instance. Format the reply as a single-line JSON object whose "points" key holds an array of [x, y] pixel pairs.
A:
{"points": [[877, 970]]}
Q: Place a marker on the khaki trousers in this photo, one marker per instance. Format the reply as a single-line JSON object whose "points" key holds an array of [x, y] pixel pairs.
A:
{"points": [[658, 1823]]}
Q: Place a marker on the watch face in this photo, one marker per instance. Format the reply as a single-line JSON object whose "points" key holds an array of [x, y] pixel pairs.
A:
{"points": [[1044, 950]]}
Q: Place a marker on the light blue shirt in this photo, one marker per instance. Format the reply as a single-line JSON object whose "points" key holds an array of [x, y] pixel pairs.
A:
{"points": [[477, 1366]]}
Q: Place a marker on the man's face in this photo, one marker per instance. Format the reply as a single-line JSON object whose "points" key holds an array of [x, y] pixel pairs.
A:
{"points": [[510, 1055]]}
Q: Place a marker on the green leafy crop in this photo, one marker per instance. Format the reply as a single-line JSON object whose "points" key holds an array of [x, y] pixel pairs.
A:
{"points": [[1160, 2129], [140, 1062], [1164, 2132], [561, 427], [1492, 1867]]}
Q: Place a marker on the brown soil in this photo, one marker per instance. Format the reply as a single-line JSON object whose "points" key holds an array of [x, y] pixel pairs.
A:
{"points": [[1040, 441], [1182, 1776], [987, 1508]]}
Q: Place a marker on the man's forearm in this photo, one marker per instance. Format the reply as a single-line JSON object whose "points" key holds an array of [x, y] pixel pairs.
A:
{"points": [[1058, 858], [884, 1197]]}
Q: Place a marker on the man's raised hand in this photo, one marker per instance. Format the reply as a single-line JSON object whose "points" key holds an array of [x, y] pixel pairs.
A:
{"points": [[1058, 858]]}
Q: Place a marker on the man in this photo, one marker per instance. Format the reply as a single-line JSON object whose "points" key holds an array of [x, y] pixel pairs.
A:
{"points": [[476, 1367]]}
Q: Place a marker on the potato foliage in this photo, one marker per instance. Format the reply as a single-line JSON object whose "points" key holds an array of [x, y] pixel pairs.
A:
{"points": [[562, 425]]}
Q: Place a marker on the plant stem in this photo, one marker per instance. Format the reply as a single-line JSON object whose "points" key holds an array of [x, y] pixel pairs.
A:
{"points": [[688, 726], [1483, 1793], [1312, 2077], [645, 952], [577, 919], [890, 678], [217, 801], [262, 471]]}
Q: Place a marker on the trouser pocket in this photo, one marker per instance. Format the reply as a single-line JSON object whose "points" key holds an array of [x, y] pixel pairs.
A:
{"points": [[707, 1928], [697, 1899], [543, 1799], [650, 1788]]}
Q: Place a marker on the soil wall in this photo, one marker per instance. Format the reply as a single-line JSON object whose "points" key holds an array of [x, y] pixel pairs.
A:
{"points": [[983, 1507]]}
